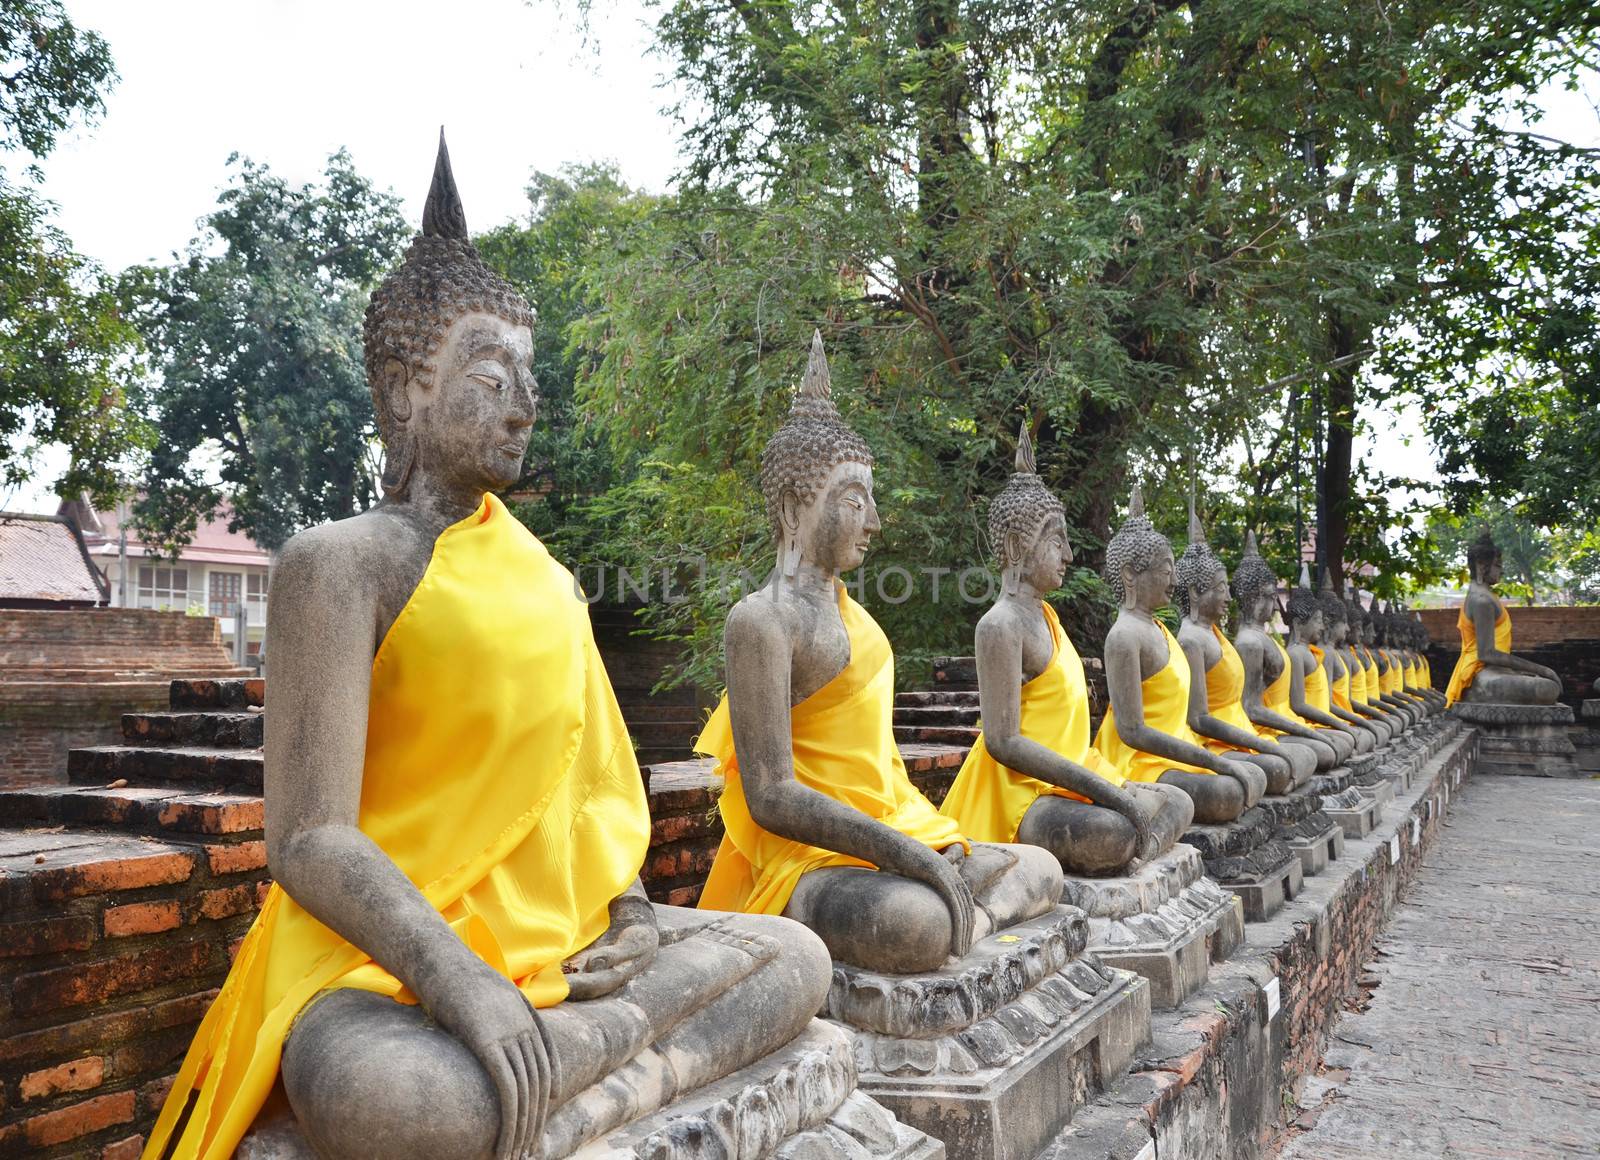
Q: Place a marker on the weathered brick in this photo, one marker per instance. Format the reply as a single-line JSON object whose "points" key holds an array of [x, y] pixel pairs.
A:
{"points": [[69, 1123], [141, 918], [153, 1094], [75, 1076], [149, 1054], [227, 901], [237, 858], [128, 1149], [42, 936], [80, 983], [160, 868]]}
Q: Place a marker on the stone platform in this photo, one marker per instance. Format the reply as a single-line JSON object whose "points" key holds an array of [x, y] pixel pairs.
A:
{"points": [[1221, 1074], [1305, 828], [1248, 857], [993, 1054], [1523, 740], [1165, 922]]}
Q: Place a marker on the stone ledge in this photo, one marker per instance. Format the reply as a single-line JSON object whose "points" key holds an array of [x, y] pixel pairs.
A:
{"points": [[1214, 1082], [1489, 713]]}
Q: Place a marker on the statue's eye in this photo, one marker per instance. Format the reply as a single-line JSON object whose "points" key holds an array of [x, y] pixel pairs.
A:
{"points": [[488, 380]]}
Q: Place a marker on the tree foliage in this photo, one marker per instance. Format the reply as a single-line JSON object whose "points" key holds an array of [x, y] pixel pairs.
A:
{"points": [[262, 397], [1167, 235], [68, 361]]}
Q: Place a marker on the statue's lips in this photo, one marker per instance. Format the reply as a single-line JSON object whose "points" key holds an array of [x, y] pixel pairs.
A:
{"points": [[513, 449]]}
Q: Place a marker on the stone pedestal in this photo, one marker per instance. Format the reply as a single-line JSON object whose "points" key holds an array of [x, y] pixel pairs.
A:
{"points": [[1247, 857], [1159, 922], [1353, 812], [1523, 740], [1586, 738], [1370, 779], [1305, 828], [992, 1055], [800, 1102]]}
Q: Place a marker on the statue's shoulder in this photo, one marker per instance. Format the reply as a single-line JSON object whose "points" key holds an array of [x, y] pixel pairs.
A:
{"points": [[1001, 621], [758, 620], [346, 556]]}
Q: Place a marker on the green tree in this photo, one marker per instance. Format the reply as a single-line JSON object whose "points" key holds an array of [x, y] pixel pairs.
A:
{"points": [[68, 361], [262, 397], [1168, 235]]}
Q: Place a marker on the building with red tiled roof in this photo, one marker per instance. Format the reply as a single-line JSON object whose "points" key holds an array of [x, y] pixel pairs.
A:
{"points": [[220, 573], [44, 563]]}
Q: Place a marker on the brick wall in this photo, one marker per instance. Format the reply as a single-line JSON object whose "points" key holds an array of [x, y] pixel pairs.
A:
{"points": [[111, 948], [66, 678]]}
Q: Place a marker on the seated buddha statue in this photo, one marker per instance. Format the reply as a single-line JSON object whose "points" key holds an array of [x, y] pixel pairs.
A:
{"points": [[1417, 641], [1309, 695], [1397, 638], [457, 957], [1341, 668], [823, 824], [1146, 734], [1267, 671], [1376, 663], [1365, 691], [1390, 677], [1032, 775], [1218, 716]]}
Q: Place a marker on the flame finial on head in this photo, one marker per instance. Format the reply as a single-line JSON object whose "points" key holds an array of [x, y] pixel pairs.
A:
{"points": [[1197, 534], [1136, 502], [1251, 548], [1025, 460], [817, 383], [443, 215], [1305, 575]]}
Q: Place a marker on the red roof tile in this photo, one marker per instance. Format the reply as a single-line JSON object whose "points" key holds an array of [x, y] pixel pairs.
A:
{"points": [[41, 558]]}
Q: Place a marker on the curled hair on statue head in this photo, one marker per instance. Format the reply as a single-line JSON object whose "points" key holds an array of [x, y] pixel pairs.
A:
{"points": [[812, 441], [1254, 576], [1303, 605], [1023, 506], [1481, 552], [1196, 568], [1134, 546]]}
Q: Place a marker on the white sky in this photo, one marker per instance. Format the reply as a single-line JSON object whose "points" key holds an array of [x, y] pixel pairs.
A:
{"points": [[287, 82]]}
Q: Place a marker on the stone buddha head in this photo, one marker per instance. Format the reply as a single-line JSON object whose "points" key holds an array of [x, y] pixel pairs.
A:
{"points": [[816, 476], [1357, 616], [1202, 579], [1028, 528], [1335, 615], [449, 347], [1305, 611], [1139, 564], [1254, 585], [1483, 560]]}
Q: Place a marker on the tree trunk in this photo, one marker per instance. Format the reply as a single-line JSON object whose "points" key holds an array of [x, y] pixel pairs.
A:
{"points": [[1333, 479]]}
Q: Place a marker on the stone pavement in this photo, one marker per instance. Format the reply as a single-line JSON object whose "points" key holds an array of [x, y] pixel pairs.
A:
{"points": [[1480, 1032]]}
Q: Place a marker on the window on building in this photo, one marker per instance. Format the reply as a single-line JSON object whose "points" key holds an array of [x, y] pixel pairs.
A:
{"points": [[163, 587], [225, 588]]}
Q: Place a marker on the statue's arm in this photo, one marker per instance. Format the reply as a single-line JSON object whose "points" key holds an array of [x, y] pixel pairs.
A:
{"points": [[1200, 718], [759, 665], [1484, 613], [1349, 716], [1123, 681], [321, 638], [1255, 687], [999, 654], [1298, 668]]}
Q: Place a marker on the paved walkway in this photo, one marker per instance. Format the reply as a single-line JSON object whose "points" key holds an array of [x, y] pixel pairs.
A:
{"points": [[1482, 1037]]}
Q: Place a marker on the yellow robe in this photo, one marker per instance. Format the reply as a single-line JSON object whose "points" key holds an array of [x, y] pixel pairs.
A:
{"points": [[1317, 694], [1339, 690], [843, 743], [1166, 707], [988, 800], [1276, 695], [500, 778], [1224, 693], [1374, 677], [1358, 680]]}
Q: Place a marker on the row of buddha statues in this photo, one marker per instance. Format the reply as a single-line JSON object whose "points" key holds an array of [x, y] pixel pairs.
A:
{"points": [[457, 957]]}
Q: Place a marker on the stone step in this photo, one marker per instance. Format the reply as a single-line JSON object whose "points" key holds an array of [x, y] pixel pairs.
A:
{"points": [[923, 699], [229, 693], [955, 672], [136, 809], [224, 729], [952, 735], [936, 715], [44, 868], [192, 765]]}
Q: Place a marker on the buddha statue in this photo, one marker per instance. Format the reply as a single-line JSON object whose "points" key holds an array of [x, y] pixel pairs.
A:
{"points": [[1217, 714], [1365, 692], [823, 824], [1032, 775], [1340, 667], [457, 958], [1404, 658], [1309, 695], [1419, 641], [1390, 677], [1379, 681], [1146, 734], [1267, 671]]}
